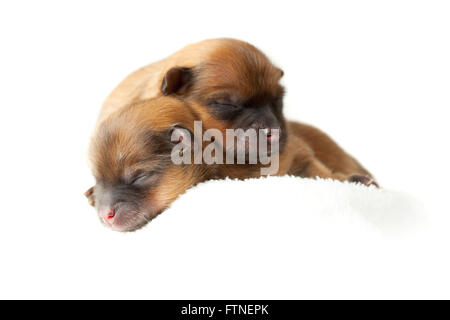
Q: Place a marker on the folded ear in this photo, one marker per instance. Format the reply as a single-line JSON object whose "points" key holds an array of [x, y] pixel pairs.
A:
{"points": [[281, 73], [90, 196], [176, 80]]}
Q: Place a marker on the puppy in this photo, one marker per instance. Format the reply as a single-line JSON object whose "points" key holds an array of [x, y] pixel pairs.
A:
{"points": [[234, 85], [235, 82], [130, 155]]}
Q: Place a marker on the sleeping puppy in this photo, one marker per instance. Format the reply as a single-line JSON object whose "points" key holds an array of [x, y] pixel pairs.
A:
{"points": [[234, 85], [130, 155], [235, 81]]}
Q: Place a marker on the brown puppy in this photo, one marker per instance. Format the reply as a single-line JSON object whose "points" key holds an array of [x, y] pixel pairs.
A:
{"points": [[130, 157], [233, 80], [234, 85]]}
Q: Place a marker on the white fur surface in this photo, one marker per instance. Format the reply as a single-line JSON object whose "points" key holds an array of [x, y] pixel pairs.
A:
{"points": [[306, 201], [279, 237]]}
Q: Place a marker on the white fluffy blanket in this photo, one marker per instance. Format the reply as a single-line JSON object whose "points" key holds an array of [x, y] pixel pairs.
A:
{"points": [[265, 238], [301, 203]]}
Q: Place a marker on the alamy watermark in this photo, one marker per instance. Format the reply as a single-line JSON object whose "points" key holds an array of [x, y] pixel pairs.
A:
{"points": [[241, 146]]}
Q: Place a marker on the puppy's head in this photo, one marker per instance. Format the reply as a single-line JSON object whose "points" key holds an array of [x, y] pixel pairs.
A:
{"points": [[236, 83], [131, 162]]}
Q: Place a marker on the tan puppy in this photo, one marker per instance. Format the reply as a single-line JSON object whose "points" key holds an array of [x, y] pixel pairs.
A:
{"points": [[234, 85]]}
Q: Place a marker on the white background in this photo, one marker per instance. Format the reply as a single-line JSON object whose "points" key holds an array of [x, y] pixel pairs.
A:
{"points": [[375, 75]]}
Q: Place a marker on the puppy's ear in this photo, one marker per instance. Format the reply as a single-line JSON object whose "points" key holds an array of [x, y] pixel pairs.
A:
{"points": [[281, 73], [90, 196], [176, 80]]}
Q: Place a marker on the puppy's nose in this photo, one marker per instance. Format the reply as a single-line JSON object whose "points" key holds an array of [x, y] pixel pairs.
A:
{"points": [[107, 214]]}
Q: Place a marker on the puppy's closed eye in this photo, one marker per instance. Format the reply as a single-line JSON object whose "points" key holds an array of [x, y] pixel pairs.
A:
{"points": [[141, 180], [225, 110], [225, 104]]}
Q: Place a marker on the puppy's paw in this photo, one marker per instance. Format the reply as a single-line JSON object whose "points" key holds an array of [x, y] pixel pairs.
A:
{"points": [[365, 180], [90, 196]]}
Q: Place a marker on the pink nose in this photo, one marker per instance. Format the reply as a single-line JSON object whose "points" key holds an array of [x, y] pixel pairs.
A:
{"points": [[107, 214]]}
